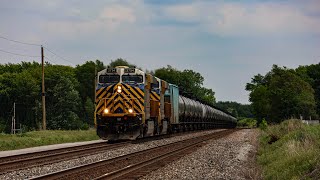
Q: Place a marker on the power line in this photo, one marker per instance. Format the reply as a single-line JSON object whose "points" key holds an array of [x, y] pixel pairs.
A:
{"points": [[50, 60], [58, 55], [25, 55], [31, 44]]}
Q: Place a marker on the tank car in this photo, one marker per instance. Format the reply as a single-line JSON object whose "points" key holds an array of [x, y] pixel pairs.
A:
{"points": [[189, 114]]}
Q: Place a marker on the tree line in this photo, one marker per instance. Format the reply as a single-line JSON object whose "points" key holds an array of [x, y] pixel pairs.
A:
{"points": [[70, 92], [285, 93], [69, 95], [240, 111]]}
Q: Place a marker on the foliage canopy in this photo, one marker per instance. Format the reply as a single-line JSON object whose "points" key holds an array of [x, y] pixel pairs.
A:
{"points": [[190, 83], [282, 94]]}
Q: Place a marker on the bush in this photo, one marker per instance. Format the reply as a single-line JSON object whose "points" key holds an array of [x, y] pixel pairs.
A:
{"points": [[263, 125], [85, 126], [247, 122], [2, 125]]}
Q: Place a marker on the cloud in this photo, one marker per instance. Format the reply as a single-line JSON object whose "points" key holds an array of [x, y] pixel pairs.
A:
{"points": [[118, 14], [223, 19], [246, 19], [109, 19], [237, 40], [184, 12]]}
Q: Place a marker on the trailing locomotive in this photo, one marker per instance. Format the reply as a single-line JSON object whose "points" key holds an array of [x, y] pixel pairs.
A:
{"points": [[131, 103]]}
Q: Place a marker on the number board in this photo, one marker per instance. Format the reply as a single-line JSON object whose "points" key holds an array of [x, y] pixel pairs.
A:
{"points": [[129, 70], [113, 70]]}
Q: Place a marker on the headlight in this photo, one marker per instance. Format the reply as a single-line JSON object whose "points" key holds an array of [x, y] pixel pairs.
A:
{"points": [[130, 110], [106, 110], [119, 90]]}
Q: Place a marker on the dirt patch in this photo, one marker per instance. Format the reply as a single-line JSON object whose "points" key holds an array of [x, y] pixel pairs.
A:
{"points": [[273, 138], [253, 170]]}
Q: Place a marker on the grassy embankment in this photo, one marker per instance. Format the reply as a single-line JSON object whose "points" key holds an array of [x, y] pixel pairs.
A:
{"points": [[39, 138], [290, 150]]}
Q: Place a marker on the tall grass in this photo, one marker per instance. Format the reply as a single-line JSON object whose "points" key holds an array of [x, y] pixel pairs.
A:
{"points": [[290, 150], [39, 138]]}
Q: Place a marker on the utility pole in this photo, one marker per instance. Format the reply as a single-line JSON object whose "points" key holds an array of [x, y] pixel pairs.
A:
{"points": [[95, 83], [44, 123], [11, 124], [13, 119]]}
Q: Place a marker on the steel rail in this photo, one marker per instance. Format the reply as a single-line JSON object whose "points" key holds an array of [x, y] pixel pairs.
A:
{"points": [[92, 170], [142, 168], [33, 159], [22, 161]]}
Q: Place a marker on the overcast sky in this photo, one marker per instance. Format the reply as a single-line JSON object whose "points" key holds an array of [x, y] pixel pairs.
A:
{"points": [[226, 41]]}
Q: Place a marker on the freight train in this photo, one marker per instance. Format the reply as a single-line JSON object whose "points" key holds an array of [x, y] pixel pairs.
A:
{"points": [[133, 104]]}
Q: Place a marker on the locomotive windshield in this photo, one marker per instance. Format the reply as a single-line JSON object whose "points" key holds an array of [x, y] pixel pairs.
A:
{"points": [[109, 78], [132, 78]]}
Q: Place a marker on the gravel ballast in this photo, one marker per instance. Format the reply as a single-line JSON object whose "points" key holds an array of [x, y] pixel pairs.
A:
{"points": [[231, 157], [41, 170]]}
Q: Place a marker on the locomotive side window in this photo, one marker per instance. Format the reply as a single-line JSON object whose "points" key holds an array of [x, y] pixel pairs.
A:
{"points": [[109, 78], [155, 85], [132, 78]]}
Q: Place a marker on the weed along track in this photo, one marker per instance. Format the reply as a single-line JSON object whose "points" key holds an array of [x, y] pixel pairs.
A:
{"points": [[136, 164], [22, 161]]}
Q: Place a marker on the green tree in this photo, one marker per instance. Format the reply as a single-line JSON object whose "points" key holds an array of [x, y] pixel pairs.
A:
{"points": [[62, 112], [89, 109], [63, 108], [7, 90], [120, 62], [85, 74], [207, 96], [311, 74], [19, 83], [27, 94], [168, 74], [238, 110], [190, 83], [290, 95], [260, 102], [281, 94]]}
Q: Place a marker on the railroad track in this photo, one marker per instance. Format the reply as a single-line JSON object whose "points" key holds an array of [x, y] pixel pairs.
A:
{"points": [[23, 161], [136, 164], [29, 160]]}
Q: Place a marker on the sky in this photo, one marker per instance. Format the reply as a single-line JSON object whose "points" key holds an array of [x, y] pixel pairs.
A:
{"points": [[228, 42]]}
